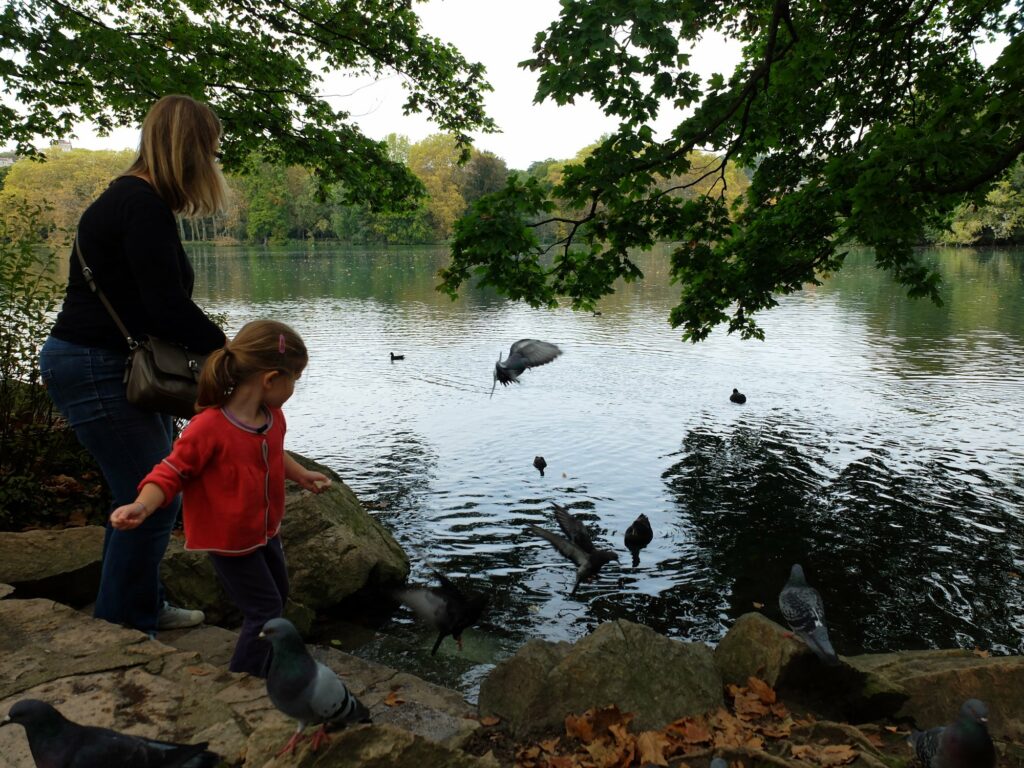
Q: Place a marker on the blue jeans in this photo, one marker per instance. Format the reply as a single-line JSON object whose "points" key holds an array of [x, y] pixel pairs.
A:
{"points": [[85, 383]]}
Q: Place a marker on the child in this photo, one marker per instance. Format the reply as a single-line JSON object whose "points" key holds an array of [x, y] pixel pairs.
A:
{"points": [[230, 465]]}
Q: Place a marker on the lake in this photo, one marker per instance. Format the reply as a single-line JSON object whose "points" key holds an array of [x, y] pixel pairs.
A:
{"points": [[880, 446]]}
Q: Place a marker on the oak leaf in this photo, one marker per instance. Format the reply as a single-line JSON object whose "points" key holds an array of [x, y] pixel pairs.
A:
{"points": [[652, 745]]}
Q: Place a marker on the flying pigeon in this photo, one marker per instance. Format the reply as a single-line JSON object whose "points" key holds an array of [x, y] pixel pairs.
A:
{"points": [[305, 689], [638, 536], [737, 397], [576, 545], [539, 464], [56, 742], [446, 608], [804, 610], [965, 743], [525, 353]]}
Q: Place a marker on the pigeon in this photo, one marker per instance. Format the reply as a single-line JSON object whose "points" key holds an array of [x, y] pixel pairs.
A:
{"points": [[576, 545], [305, 689], [804, 610], [737, 397], [56, 742], [446, 608], [396, 357], [525, 353], [963, 744], [539, 464], [638, 536]]}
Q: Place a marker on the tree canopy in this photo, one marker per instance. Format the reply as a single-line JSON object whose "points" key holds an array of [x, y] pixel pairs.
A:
{"points": [[861, 121], [260, 63]]}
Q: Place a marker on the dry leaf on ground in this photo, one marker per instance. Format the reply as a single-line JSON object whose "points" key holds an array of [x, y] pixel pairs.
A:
{"points": [[652, 746], [393, 700], [489, 720], [826, 754]]}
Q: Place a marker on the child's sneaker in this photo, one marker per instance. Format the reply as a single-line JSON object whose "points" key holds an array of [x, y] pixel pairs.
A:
{"points": [[172, 617]]}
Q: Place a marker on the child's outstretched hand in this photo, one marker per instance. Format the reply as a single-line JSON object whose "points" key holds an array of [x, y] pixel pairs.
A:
{"points": [[128, 516], [316, 482]]}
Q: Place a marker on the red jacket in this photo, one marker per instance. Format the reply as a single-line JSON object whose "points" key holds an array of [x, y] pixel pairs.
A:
{"points": [[231, 477]]}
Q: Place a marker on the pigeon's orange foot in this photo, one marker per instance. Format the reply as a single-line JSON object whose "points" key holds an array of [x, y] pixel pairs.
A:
{"points": [[320, 737], [293, 742]]}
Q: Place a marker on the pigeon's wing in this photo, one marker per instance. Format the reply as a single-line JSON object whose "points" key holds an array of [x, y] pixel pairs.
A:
{"points": [[533, 352], [425, 603], [803, 608], [103, 747], [330, 699], [566, 547], [926, 745], [573, 528]]}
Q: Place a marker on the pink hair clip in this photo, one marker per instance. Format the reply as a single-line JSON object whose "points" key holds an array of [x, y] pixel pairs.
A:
{"points": [[280, 343]]}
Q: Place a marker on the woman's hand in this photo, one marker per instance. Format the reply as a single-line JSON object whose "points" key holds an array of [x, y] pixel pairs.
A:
{"points": [[129, 516]]}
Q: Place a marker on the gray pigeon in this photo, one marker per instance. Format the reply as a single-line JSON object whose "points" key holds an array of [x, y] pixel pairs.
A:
{"points": [[804, 610], [56, 742], [577, 545], [965, 743], [446, 608], [303, 688], [638, 535], [525, 353]]}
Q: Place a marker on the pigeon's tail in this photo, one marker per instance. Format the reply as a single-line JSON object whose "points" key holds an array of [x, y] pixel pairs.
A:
{"points": [[818, 641], [183, 755]]}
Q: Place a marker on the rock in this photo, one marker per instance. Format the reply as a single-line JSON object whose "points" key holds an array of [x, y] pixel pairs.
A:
{"points": [[757, 646], [380, 746], [334, 550], [102, 674], [621, 663], [60, 565], [930, 686]]}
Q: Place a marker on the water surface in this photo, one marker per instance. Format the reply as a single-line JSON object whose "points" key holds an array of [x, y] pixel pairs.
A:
{"points": [[880, 446]]}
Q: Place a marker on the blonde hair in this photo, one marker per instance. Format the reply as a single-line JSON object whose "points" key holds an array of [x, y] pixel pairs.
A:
{"points": [[260, 346], [177, 152]]}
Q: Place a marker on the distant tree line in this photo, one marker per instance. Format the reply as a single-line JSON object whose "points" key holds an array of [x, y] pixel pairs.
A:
{"points": [[273, 203]]}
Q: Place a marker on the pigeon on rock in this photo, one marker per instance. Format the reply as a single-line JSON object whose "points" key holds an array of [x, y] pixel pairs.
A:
{"points": [[525, 353], [737, 397], [638, 536], [56, 742], [965, 743], [304, 689], [445, 608], [576, 545], [804, 610]]}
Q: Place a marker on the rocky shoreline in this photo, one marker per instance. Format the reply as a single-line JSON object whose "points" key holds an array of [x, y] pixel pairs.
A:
{"points": [[177, 687]]}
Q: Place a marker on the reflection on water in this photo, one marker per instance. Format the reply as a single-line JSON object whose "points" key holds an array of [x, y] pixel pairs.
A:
{"points": [[880, 446]]}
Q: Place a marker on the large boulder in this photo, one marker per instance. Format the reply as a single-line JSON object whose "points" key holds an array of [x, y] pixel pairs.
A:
{"points": [[335, 549], [60, 565], [621, 663], [930, 686]]}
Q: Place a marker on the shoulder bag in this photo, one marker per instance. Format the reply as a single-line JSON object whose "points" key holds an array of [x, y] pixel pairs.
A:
{"points": [[159, 375]]}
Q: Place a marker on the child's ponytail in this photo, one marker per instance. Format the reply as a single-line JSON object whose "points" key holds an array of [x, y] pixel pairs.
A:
{"points": [[217, 379]]}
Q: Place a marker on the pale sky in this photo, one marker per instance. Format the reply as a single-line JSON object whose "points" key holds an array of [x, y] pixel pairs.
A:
{"points": [[499, 35]]}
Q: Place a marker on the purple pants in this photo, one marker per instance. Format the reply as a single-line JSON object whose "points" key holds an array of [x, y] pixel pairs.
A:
{"points": [[258, 584]]}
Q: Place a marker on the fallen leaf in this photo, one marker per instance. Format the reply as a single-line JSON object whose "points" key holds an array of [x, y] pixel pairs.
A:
{"points": [[780, 710], [652, 745], [199, 671], [761, 689], [874, 739], [759, 605], [980, 653], [490, 720], [594, 723], [689, 730], [892, 729], [778, 730], [336, 642], [548, 745], [392, 699]]}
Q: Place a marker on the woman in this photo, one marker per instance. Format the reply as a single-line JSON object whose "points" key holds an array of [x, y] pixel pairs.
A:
{"points": [[129, 239]]}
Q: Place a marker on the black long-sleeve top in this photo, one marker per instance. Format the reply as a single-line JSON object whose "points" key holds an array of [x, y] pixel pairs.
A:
{"points": [[130, 241]]}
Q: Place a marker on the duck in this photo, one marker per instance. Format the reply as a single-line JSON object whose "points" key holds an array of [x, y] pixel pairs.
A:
{"points": [[737, 397]]}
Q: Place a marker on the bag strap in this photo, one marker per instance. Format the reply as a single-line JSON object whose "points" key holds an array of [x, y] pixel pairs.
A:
{"points": [[91, 281]]}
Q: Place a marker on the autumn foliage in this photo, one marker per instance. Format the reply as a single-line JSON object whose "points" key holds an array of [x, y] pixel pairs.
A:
{"points": [[756, 724]]}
